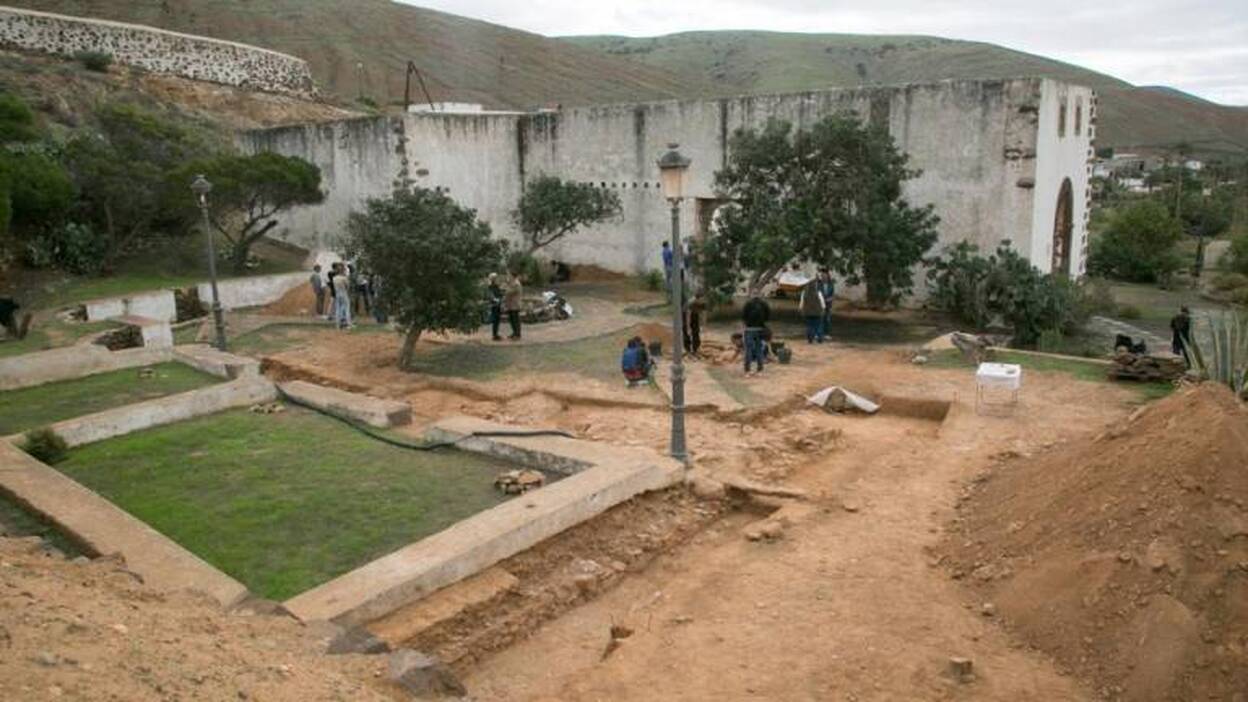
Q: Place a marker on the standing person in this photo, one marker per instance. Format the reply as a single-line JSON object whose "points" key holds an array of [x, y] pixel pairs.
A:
{"points": [[341, 285], [693, 323], [494, 296], [1181, 331], [374, 292], [812, 306], [318, 289], [511, 304], [755, 315], [667, 266], [827, 290]]}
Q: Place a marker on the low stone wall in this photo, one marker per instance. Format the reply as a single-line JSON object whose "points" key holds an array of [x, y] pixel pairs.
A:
{"points": [[74, 362], [102, 528], [120, 421], [157, 304], [349, 405], [254, 291], [608, 477], [157, 50], [213, 362]]}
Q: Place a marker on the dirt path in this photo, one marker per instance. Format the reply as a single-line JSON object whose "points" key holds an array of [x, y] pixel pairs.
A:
{"points": [[847, 605]]}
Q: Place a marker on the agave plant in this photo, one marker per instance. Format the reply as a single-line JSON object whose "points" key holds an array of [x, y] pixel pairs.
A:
{"points": [[1223, 358]]}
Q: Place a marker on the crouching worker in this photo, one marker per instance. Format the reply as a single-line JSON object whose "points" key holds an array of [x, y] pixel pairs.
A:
{"points": [[636, 362]]}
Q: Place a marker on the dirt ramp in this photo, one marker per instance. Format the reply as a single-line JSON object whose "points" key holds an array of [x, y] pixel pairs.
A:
{"points": [[1124, 555]]}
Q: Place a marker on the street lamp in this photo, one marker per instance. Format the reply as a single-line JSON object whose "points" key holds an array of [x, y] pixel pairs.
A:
{"points": [[201, 187], [672, 167]]}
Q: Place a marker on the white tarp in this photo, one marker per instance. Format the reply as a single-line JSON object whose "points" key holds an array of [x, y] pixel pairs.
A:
{"points": [[838, 399]]}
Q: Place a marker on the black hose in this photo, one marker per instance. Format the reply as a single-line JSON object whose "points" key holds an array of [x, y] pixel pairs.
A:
{"points": [[373, 433]]}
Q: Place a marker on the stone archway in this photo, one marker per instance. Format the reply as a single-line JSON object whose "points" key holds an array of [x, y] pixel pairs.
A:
{"points": [[1063, 229]]}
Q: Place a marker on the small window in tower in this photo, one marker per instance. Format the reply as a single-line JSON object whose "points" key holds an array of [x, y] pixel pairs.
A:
{"points": [[1061, 118], [1078, 116]]}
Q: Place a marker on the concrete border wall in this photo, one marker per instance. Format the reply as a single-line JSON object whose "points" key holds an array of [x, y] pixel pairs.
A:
{"points": [[252, 291], [156, 304], [120, 421], [158, 50], [610, 476], [352, 406], [102, 528], [74, 362]]}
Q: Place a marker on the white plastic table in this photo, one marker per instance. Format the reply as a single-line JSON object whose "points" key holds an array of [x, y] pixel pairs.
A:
{"points": [[998, 376]]}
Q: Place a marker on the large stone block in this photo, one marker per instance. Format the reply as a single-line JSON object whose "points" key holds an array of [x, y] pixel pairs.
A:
{"points": [[349, 405]]}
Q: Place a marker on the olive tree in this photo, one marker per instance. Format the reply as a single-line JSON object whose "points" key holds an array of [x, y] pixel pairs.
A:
{"points": [[431, 257], [551, 208]]}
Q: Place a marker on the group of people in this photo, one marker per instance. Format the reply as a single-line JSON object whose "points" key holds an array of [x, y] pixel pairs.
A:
{"points": [[347, 291]]}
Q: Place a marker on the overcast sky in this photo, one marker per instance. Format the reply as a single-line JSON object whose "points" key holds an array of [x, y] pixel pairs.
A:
{"points": [[1200, 46]]}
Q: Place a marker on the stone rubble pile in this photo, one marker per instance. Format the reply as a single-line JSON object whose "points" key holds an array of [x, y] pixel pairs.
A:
{"points": [[517, 482], [1147, 367]]}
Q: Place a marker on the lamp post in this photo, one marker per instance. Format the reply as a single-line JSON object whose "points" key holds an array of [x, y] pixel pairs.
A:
{"points": [[201, 187], [672, 167]]}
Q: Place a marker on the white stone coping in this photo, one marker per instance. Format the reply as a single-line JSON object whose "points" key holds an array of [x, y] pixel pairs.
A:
{"points": [[73, 362], [128, 419], [607, 477], [348, 405]]}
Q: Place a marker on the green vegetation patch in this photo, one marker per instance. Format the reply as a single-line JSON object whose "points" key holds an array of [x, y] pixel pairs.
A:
{"points": [[41, 405], [595, 357], [51, 334], [284, 502], [1081, 370]]}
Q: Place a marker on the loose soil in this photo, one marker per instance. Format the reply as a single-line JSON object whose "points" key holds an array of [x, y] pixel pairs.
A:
{"points": [[91, 631], [1124, 554]]}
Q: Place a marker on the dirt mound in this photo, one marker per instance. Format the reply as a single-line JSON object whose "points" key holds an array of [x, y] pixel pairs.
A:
{"points": [[652, 331], [1125, 555], [299, 300], [92, 631]]}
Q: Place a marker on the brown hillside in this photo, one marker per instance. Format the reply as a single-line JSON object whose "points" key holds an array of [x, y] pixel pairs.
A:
{"points": [[362, 47], [1125, 555]]}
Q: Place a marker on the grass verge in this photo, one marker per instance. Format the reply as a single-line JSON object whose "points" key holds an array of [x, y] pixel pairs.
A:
{"points": [[38, 406], [1082, 370], [255, 497]]}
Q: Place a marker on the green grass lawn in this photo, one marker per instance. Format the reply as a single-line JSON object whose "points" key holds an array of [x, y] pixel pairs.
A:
{"points": [[50, 334], [29, 408], [1157, 306], [1082, 370], [287, 501]]}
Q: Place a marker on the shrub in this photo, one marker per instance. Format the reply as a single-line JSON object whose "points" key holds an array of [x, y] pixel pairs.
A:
{"points": [[1223, 358], [977, 289], [45, 445], [1226, 282], [1051, 341], [1130, 312], [653, 280], [72, 247], [1138, 245], [1238, 255], [97, 61], [528, 267]]}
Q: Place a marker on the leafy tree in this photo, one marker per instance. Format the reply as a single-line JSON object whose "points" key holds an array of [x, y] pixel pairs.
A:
{"points": [[249, 193], [1238, 254], [40, 190], [829, 195], [431, 257], [1138, 245], [551, 208], [124, 175]]}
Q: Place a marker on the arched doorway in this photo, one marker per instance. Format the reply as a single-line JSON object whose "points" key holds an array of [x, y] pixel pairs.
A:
{"points": [[1063, 227]]}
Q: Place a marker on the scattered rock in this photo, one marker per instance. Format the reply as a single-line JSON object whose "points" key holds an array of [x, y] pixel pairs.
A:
{"points": [[516, 482], [988, 609], [46, 659], [707, 488], [962, 669], [422, 675], [357, 640]]}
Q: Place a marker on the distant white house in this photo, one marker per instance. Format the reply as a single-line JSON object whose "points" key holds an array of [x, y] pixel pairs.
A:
{"points": [[1194, 165]]}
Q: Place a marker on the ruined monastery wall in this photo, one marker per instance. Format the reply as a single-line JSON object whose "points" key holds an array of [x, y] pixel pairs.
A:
{"points": [[157, 50], [976, 143]]}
